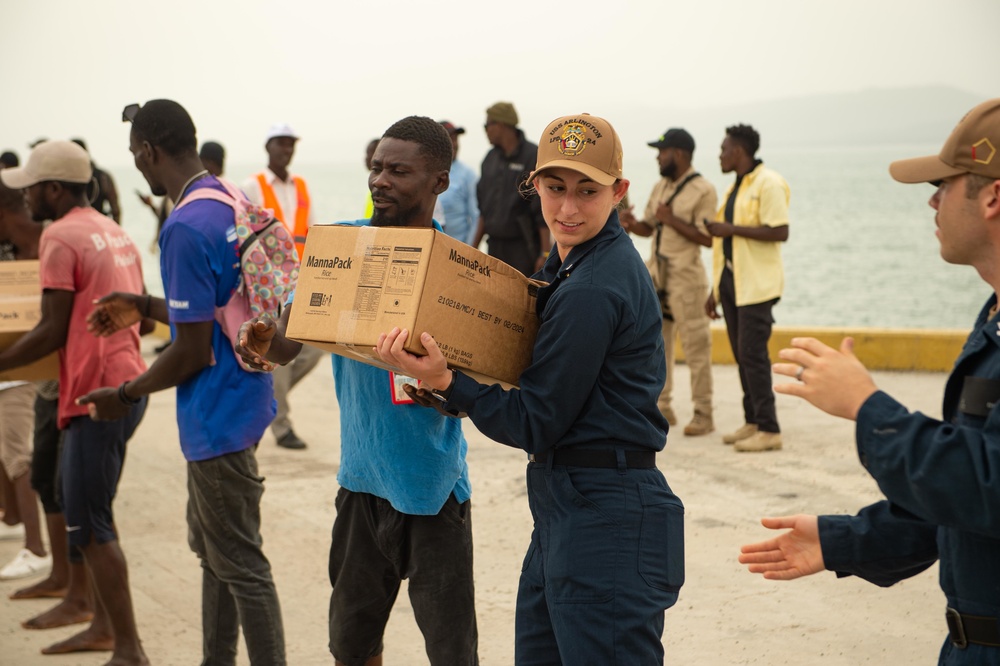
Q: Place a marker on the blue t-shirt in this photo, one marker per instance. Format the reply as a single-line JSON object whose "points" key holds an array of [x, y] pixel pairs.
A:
{"points": [[223, 408], [410, 455]]}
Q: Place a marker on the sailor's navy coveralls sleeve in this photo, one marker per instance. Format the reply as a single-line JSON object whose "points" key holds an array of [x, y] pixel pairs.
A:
{"points": [[581, 386], [941, 479]]}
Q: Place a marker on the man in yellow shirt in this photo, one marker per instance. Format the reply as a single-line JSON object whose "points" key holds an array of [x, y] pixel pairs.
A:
{"points": [[747, 278]]}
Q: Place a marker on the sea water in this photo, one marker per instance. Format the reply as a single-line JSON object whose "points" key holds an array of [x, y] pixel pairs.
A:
{"points": [[861, 250]]}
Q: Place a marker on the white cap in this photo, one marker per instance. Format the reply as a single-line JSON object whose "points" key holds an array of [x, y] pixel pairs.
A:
{"points": [[280, 129]]}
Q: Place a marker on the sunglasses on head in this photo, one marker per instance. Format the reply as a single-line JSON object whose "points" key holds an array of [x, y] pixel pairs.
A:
{"points": [[129, 112]]}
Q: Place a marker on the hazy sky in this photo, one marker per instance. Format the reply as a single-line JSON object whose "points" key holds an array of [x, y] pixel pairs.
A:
{"points": [[341, 72]]}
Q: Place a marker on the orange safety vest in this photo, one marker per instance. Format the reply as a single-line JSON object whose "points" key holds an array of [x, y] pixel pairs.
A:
{"points": [[301, 227]]}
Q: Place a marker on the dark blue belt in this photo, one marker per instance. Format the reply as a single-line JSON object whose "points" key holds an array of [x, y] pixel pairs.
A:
{"points": [[964, 629], [605, 458]]}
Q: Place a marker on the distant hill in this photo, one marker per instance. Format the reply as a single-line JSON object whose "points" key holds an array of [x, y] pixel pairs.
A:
{"points": [[874, 116]]}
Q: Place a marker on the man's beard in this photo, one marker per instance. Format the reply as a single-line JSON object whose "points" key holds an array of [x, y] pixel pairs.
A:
{"points": [[669, 170], [42, 212], [402, 219]]}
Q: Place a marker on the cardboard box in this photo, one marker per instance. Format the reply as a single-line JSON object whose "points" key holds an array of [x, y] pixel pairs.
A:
{"points": [[20, 311], [358, 282]]}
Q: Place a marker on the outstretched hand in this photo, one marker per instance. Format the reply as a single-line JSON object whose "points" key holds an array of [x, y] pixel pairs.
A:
{"points": [[431, 369], [114, 312], [254, 340], [103, 404], [791, 555], [835, 381]]}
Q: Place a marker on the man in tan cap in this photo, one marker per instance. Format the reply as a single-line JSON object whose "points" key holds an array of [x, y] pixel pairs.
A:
{"points": [[512, 224], [82, 256], [939, 476]]}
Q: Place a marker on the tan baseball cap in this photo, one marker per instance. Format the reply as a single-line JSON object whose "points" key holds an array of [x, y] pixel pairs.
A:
{"points": [[583, 143], [971, 148], [63, 161]]}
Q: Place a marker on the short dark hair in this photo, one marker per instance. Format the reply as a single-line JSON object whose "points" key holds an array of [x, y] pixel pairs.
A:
{"points": [[746, 136], [76, 189], [11, 200], [9, 159], [211, 150], [975, 183], [80, 142], [435, 144], [166, 125]]}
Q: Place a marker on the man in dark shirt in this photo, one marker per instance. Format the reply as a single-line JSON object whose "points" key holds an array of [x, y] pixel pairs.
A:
{"points": [[513, 224], [102, 192]]}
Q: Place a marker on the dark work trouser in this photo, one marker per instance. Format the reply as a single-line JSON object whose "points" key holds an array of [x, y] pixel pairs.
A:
{"points": [[606, 560], [749, 329]]}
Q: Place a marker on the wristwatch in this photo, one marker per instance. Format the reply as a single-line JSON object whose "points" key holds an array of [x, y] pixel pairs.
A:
{"points": [[446, 393]]}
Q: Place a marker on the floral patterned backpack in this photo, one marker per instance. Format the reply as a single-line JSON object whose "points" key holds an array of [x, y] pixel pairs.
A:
{"points": [[269, 264]]}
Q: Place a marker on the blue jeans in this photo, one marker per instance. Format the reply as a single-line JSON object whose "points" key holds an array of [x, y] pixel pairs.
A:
{"points": [[606, 560], [223, 516]]}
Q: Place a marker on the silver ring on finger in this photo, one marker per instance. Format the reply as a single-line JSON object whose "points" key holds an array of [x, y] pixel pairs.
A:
{"points": [[798, 374]]}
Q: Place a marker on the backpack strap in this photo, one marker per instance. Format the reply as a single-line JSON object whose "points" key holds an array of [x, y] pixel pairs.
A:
{"points": [[681, 187], [229, 197], [207, 193], [659, 227]]}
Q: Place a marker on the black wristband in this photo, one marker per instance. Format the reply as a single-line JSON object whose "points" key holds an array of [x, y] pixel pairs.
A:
{"points": [[123, 397], [446, 393]]}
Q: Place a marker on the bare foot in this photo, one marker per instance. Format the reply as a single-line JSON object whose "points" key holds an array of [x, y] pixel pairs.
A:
{"points": [[85, 641], [62, 614], [43, 589]]}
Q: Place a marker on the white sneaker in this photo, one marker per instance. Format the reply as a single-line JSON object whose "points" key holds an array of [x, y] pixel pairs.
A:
{"points": [[25, 564], [11, 532]]}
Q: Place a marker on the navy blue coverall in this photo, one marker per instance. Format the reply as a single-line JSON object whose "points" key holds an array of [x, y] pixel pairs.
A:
{"points": [[942, 484], [606, 556]]}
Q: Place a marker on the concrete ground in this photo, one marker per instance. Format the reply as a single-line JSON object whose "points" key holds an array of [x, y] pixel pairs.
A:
{"points": [[725, 615]]}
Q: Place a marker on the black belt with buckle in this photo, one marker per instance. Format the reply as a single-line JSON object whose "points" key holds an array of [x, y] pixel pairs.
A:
{"points": [[964, 629], [606, 458]]}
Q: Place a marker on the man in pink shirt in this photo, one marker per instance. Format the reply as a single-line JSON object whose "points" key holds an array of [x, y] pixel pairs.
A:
{"points": [[83, 256]]}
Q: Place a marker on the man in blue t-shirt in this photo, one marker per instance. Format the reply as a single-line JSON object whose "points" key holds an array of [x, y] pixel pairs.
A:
{"points": [[403, 510], [222, 410]]}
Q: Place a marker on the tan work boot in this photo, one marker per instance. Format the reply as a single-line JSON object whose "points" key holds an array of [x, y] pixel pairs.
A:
{"points": [[761, 441], [668, 414], [746, 430], [701, 424]]}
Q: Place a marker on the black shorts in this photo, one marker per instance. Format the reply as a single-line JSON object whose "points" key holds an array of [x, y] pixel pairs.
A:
{"points": [[45, 457], [91, 464], [374, 548]]}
